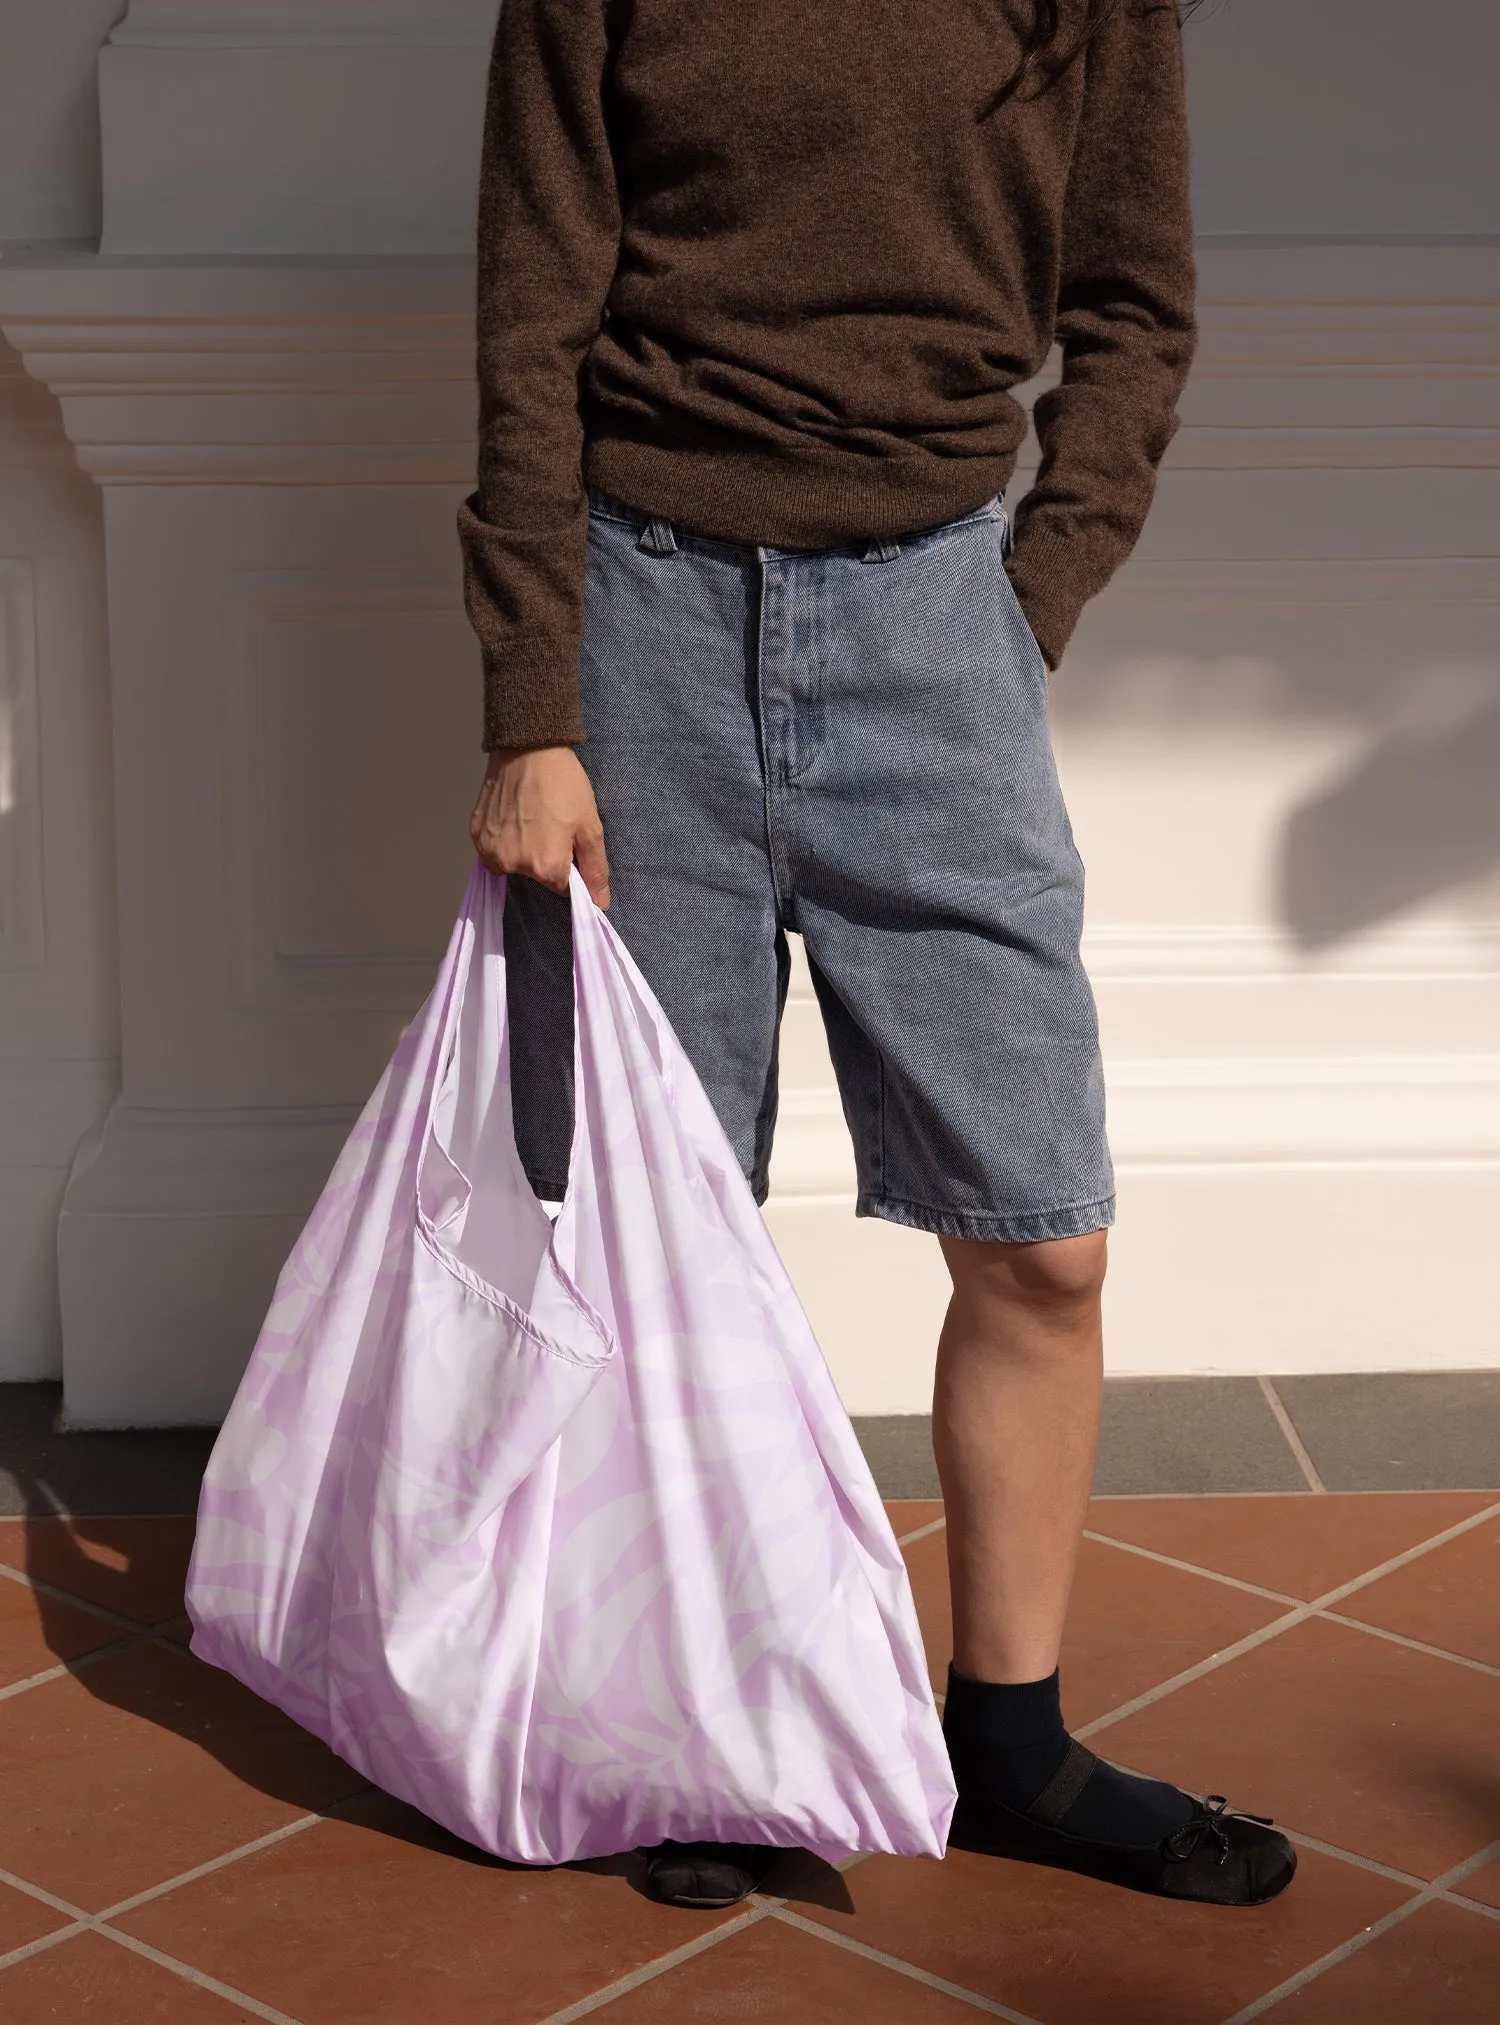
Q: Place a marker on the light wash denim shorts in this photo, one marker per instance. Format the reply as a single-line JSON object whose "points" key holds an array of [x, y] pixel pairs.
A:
{"points": [[850, 744]]}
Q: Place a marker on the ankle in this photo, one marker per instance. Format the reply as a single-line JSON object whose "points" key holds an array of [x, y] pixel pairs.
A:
{"points": [[1015, 1711], [994, 1665], [1006, 1739]]}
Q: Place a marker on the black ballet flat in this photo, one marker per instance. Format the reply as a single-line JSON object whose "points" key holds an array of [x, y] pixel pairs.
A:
{"points": [[1217, 1857], [708, 1875]]}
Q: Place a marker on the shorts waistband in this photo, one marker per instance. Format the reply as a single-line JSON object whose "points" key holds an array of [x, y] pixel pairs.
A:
{"points": [[664, 534]]}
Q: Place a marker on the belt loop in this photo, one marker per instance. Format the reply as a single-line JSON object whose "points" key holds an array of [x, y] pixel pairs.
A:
{"points": [[999, 509], [658, 537], [881, 550]]}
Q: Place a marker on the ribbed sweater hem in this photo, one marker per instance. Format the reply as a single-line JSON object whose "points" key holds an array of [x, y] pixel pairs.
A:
{"points": [[786, 497]]}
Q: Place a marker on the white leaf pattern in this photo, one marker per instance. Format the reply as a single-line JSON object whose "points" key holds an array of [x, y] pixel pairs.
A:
{"points": [[578, 1555]]}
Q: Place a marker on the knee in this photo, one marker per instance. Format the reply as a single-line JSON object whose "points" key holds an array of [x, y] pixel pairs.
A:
{"points": [[1062, 1276]]}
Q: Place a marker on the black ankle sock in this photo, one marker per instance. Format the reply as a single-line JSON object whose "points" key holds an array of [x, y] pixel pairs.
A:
{"points": [[1006, 1739]]}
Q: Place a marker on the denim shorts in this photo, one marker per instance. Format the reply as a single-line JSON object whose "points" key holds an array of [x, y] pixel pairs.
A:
{"points": [[850, 744]]}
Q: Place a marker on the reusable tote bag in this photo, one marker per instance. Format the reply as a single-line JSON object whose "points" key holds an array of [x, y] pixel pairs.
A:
{"points": [[558, 1530]]}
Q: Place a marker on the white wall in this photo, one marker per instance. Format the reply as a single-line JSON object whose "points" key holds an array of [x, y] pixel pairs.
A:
{"points": [[1334, 117], [1277, 729], [49, 116]]}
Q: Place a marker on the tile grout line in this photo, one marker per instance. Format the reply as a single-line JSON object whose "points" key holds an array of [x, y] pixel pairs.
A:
{"points": [[268, 1841], [1402, 1560], [59, 1672], [1317, 1607], [1223, 1497], [1293, 1440], [42, 1943], [1370, 1863], [761, 1905], [1488, 1912], [1292, 1602], [1191, 1568], [847, 1942], [204, 1981], [86, 1659], [94, 1923], [1411, 1644], [48, 1898], [87, 1922], [1215, 1660], [661, 1966], [1438, 1888], [35, 1582]]}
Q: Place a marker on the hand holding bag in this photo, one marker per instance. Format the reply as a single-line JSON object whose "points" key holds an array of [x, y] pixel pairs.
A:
{"points": [[559, 1530]]}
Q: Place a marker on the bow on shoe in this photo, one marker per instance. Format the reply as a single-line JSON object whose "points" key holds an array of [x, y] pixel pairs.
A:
{"points": [[1208, 1819]]}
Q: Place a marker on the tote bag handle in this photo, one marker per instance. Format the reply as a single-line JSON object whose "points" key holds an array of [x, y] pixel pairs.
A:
{"points": [[443, 1188]]}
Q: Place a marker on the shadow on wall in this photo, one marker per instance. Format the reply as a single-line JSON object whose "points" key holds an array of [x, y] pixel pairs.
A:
{"points": [[1419, 814], [1405, 810]]}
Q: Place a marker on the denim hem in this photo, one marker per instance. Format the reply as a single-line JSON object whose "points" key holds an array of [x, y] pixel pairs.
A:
{"points": [[1075, 1219]]}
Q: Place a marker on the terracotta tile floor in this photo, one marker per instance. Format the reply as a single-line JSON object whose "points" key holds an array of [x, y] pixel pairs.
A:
{"points": [[171, 1850]]}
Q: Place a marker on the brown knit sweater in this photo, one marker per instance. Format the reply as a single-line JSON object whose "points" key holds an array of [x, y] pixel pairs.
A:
{"points": [[767, 268]]}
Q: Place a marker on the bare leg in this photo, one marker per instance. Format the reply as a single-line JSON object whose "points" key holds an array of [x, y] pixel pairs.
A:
{"points": [[1015, 1427]]}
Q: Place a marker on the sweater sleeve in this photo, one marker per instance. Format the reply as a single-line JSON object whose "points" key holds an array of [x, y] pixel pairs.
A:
{"points": [[549, 230], [1124, 320]]}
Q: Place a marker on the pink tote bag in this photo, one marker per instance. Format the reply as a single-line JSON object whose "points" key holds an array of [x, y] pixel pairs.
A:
{"points": [[559, 1530]]}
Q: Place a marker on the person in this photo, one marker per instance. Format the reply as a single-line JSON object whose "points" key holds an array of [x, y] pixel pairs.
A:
{"points": [[764, 654]]}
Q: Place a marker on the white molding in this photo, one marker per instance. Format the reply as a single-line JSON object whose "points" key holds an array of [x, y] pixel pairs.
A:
{"points": [[1367, 1110], [31, 436], [1212, 1270], [1213, 583], [246, 375], [270, 1160], [377, 137], [278, 463], [1432, 274], [47, 1106], [286, 372], [23, 931], [275, 24], [1257, 446], [1192, 952], [1429, 951], [268, 974], [341, 394], [173, 1229], [1410, 1112]]}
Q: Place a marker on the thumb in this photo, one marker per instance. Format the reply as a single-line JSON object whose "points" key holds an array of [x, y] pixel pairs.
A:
{"points": [[589, 856]]}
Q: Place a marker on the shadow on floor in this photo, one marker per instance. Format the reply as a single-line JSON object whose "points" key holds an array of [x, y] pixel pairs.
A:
{"points": [[165, 1685]]}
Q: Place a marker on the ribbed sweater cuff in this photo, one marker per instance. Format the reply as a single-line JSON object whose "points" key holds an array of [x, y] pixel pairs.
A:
{"points": [[1051, 587], [530, 704]]}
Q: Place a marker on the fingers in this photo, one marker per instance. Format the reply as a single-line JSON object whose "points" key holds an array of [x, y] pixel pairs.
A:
{"points": [[534, 811], [503, 854]]}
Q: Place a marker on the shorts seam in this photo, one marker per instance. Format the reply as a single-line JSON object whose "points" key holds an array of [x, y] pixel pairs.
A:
{"points": [[1073, 1219], [880, 1087]]}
